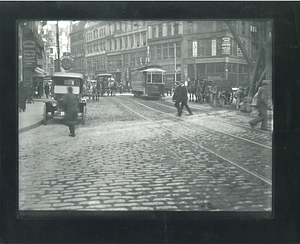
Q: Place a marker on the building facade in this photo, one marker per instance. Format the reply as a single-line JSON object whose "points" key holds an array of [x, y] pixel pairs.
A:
{"points": [[31, 52], [196, 49], [206, 49], [77, 47]]}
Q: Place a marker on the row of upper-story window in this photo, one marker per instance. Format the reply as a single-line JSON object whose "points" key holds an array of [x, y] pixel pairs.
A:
{"points": [[213, 47], [119, 43], [168, 28], [165, 51], [77, 38], [110, 28], [245, 28], [77, 50], [133, 59]]}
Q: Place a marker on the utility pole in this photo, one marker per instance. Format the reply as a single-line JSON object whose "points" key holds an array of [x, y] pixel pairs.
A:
{"points": [[175, 60], [58, 51]]}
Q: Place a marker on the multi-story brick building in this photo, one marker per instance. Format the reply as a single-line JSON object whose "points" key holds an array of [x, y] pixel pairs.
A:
{"points": [[206, 49], [77, 47], [31, 52], [203, 49]]}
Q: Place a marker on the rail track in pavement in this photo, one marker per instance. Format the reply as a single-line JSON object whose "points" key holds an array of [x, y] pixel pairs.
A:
{"points": [[242, 153]]}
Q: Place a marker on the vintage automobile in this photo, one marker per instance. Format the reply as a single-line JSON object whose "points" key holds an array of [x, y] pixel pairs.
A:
{"points": [[61, 82]]}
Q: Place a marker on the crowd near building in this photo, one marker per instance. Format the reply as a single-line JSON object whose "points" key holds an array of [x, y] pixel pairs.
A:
{"points": [[195, 49]]}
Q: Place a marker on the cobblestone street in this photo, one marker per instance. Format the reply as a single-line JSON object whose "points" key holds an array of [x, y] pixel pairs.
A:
{"points": [[117, 161]]}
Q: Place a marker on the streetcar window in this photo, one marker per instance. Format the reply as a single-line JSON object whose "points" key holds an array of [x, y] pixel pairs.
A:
{"points": [[67, 82], [156, 78]]}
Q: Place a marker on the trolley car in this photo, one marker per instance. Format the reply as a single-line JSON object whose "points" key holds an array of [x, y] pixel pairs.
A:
{"points": [[61, 82], [148, 82]]}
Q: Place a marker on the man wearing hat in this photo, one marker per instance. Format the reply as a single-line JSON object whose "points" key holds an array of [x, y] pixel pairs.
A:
{"points": [[262, 105], [180, 96], [69, 103], [239, 95]]}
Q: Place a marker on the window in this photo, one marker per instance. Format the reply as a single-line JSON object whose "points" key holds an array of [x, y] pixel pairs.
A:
{"points": [[178, 50], [254, 50], [176, 29], [190, 48], [160, 30], [126, 41], [138, 41], [131, 40], [171, 50], [207, 46], [219, 46], [253, 31], [152, 53], [158, 52], [116, 44], [190, 27], [243, 28], [211, 68], [204, 47], [144, 39], [51, 50], [153, 32], [220, 68], [121, 43], [169, 28], [165, 51]]}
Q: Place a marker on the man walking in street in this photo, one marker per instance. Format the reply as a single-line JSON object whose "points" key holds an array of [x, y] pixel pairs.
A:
{"points": [[180, 96], [262, 105], [69, 103], [239, 95]]}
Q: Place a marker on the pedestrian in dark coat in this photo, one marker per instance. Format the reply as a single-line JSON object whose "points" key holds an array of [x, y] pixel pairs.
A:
{"points": [[184, 100], [23, 94], [262, 105], [180, 98], [69, 103]]}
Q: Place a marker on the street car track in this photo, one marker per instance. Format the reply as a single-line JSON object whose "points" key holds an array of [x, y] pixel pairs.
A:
{"points": [[265, 180], [230, 135], [208, 110]]}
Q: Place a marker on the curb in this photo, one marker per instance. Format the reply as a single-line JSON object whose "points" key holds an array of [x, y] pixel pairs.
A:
{"points": [[27, 128]]}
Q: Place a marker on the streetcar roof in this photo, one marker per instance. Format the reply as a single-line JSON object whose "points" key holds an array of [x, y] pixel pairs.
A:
{"points": [[67, 75], [153, 70]]}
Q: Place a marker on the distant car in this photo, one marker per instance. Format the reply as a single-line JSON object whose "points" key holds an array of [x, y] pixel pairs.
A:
{"points": [[61, 82]]}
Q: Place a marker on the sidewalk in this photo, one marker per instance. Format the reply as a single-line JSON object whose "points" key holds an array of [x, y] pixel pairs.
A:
{"points": [[33, 115]]}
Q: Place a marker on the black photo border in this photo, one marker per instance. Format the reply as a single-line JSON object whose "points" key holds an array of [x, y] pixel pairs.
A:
{"points": [[282, 227]]}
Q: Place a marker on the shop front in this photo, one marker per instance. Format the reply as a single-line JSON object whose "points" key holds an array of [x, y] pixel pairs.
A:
{"points": [[234, 69]]}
